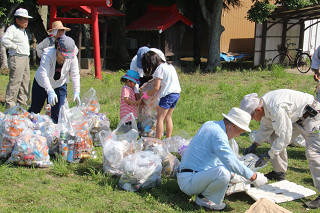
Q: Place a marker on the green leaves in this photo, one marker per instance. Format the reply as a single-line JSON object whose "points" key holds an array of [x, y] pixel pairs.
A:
{"points": [[260, 11]]}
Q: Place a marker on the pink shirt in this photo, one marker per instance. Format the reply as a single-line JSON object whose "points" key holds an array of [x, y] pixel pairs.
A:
{"points": [[125, 108]]}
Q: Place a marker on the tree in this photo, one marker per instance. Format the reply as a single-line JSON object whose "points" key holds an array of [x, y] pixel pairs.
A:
{"points": [[211, 12], [260, 10]]}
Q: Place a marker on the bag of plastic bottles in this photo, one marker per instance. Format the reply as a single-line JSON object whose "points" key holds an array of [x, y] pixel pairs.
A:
{"points": [[141, 170], [97, 123], [30, 150]]}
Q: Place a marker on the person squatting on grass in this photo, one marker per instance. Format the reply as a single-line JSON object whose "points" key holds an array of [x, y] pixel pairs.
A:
{"points": [[208, 164], [284, 114], [128, 101], [16, 40], [52, 76], [166, 80]]}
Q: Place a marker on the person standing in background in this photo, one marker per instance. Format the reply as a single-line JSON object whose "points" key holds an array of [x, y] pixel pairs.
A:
{"points": [[16, 40]]}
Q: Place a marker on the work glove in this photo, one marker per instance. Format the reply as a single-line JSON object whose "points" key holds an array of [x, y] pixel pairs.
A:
{"points": [[76, 97], [260, 180], [250, 149], [52, 98], [145, 96], [263, 160]]}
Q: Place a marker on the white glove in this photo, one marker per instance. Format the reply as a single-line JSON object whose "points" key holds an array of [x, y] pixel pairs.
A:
{"points": [[260, 180], [76, 97], [237, 179], [52, 98]]}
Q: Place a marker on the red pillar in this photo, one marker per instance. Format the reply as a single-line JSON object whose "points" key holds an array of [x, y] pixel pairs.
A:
{"points": [[96, 42], [53, 14]]}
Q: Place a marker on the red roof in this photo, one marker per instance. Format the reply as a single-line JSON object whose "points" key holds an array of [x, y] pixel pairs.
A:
{"points": [[105, 11], [159, 18]]}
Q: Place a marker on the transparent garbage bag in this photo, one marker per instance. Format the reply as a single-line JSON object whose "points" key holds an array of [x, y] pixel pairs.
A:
{"points": [[147, 112], [89, 102], [97, 123], [299, 141], [141, 170], [30, 150], [17, 110], [176, 144], [127, 128]]}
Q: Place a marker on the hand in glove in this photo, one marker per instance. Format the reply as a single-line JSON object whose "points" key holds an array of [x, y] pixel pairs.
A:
{"points": [[250, 149], [145, 96], [76, 97], [260, 180], [263, 160], [52, 98]]}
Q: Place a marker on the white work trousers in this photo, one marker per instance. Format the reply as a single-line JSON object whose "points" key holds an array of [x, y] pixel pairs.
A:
{"points": [[211, 183]]}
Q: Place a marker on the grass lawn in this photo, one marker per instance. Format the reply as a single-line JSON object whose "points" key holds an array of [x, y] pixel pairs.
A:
{"points": [[85, 188]]}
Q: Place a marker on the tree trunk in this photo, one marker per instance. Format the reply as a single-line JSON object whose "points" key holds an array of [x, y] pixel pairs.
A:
{"points": [[215, 30], [119, 35], [3, 53], [197, 34], [36, 24]]}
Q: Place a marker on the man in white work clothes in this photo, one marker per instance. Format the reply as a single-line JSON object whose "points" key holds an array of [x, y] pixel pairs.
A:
{"points": [[283, 114]]}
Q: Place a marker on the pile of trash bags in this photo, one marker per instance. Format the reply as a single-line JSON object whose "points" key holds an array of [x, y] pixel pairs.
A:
{"points": [[140, 164], [27, 139]]}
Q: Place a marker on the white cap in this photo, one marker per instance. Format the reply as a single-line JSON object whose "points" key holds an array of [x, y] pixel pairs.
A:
{"points": [[22, 12], [250, 102], [239, 118], [159, 52]]}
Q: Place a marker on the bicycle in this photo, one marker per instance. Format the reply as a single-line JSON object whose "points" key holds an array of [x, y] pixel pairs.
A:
{"points": [[302, 60]]}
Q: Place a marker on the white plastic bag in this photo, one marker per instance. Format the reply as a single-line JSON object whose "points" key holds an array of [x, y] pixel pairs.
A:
{"points": [[141, 170]]}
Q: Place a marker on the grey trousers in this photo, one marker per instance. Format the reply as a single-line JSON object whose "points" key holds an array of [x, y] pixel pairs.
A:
{"points": [[18, 88]]}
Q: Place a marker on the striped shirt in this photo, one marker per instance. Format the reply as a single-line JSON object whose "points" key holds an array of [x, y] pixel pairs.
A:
{"points": [[125, 108]]}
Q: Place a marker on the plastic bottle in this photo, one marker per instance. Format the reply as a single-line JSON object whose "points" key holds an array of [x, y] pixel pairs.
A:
{"points": [[70, 151]]}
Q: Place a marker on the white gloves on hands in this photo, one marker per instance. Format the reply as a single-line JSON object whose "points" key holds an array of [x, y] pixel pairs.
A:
{"points": [[76, 97], [237, 179], [52, 98], [260, 180]]}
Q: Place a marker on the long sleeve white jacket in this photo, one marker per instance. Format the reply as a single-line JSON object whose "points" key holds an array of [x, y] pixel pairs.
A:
{"points": [[16, 40], [282, 108], [45, 73]]}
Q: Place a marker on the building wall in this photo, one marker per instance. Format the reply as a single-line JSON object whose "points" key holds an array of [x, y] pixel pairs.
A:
{"points": [[239, 32]]}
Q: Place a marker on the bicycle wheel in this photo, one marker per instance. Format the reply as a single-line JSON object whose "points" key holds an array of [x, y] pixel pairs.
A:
{"points": [[304, 62], [281, 59]]}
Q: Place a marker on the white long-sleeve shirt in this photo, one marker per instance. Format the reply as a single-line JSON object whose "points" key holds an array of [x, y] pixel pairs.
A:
{"points": [[16, 40], [282, 108], [46, 70], [47, 43]]}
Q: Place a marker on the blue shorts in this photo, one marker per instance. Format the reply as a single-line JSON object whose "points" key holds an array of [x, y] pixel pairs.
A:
{"points": [[169, 101]]}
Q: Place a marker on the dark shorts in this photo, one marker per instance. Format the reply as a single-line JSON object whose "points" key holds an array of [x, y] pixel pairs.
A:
{"points": [[169, 101]]}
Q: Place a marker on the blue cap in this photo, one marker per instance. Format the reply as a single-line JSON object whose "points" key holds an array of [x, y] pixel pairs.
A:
{"points": [[132, 76], [141, 51]]}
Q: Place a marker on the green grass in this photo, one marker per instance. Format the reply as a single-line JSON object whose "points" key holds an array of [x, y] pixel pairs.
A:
{"points": [[85, 188]]}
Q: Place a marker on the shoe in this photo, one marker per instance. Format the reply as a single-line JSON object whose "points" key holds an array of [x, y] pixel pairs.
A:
{"points": [[314, 204], [205, 202], [276, 176]]}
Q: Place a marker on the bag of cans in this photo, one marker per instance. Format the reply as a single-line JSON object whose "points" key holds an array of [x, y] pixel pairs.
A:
{"points": [[141, 170], [89, 102], [30, 150], [97, 123]]}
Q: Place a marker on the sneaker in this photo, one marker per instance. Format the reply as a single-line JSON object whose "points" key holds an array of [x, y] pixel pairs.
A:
{"points": [[205, 202], [314, 204], [276, 176]]}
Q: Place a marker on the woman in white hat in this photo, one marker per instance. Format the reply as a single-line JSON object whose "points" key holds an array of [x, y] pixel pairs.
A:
{"points": [[56, 32]]}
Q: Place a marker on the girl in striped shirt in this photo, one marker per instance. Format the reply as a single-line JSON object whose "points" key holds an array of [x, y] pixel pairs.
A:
{"points": [[128, 101]]}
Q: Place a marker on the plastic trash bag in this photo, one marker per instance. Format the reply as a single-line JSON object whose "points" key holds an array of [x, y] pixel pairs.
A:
{"points": [[89, 102], [176, 144], [30, 150], [17, 110], [141, 170], [299, 141], [147, 112], [97, 123], [127, 128]]}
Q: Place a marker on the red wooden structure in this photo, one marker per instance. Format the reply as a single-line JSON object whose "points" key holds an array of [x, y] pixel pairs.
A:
{"points": [[93, 4]]}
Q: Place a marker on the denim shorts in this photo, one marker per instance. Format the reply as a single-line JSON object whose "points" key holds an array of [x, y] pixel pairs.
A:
{"points": [[169, 101]]}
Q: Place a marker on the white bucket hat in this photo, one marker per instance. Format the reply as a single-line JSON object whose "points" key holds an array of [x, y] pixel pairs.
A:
{"points": [[22, 12], [159, 52], [250, 102], [240, 118]]}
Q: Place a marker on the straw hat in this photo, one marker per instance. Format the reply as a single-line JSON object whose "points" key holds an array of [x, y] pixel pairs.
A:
{"points": [[240, 118], [57, 25]]}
